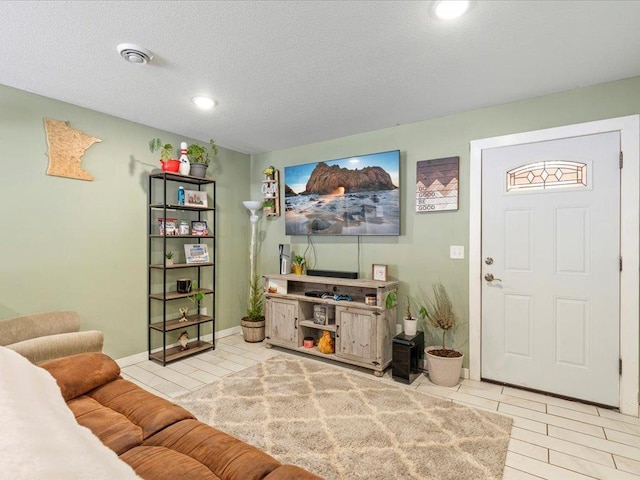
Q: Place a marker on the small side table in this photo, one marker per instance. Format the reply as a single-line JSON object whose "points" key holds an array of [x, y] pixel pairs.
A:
{"points": [[407, 351]]}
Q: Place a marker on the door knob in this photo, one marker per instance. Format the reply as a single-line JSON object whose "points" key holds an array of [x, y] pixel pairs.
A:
{"points": [[488, 261], [490, 278]]}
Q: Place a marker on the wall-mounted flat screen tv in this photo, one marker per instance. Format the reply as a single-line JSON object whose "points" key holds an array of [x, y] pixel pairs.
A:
{"points": [[348, 196]]}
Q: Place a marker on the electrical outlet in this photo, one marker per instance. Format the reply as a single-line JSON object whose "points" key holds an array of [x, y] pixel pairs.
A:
{"points": [[456, 251]]}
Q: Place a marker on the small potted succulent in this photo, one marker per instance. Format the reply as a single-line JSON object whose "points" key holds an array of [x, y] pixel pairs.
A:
{"points": [[298, 264], [168, 258], [268, 206]]}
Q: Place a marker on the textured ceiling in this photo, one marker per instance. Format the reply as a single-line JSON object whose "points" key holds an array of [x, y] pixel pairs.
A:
{"points": [[288, 73]]}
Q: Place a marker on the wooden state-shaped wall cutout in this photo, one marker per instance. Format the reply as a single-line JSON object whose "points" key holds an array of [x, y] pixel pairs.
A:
{"points": [[66, 148]]}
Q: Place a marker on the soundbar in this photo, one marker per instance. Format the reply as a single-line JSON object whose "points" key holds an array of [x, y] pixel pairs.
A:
{"points": [[333, 273]]}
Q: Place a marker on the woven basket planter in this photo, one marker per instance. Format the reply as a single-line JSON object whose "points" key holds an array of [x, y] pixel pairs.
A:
{"points": [[252, 332]]}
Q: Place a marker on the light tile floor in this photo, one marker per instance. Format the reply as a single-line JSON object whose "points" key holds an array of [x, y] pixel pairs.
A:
{"points": [[551, 438]]}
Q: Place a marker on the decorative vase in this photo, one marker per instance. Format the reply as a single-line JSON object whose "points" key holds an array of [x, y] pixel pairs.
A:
{"points": [[198, 170], [443, 371], [410, 326], [252, 332], [168, 261], [185, 167], [297, 269]]}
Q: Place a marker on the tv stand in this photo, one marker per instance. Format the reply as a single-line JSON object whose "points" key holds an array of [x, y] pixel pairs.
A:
{"points": [[363, 333]]}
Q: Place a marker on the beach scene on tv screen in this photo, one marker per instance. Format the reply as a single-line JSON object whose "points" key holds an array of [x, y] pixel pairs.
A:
{"points": [[349, 196]]}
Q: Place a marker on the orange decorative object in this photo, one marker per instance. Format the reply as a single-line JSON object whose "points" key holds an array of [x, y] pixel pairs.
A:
{"points": [[171, 165], [326, 343]]}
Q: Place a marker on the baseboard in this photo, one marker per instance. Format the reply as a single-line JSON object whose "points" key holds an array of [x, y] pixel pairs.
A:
{"points": [[142, 356]]}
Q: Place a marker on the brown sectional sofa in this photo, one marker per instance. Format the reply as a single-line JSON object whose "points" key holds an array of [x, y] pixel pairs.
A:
{"points": [[157, 438]]}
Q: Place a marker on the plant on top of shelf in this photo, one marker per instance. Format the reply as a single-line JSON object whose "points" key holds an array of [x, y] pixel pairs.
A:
{"points": [[166, 149], [202, 155], [169, 255], [410, 323]]}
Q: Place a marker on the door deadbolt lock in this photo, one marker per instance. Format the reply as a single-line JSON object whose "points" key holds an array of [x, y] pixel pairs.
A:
{"points": [[488, 261], [490, 278]]}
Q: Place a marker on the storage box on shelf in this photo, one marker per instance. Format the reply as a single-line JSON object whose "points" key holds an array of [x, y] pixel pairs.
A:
{"points": [[163, 298], [363, 333]]}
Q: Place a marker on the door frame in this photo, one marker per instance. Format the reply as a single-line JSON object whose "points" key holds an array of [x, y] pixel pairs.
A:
{"points": [[629, 128]]}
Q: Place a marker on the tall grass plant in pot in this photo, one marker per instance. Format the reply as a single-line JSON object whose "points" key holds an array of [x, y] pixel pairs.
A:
{"points": [[253, 329], [443, 364]]}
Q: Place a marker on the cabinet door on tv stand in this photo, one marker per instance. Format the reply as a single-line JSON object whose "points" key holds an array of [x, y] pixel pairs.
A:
{"points": [[357, 335], [281, 322]]}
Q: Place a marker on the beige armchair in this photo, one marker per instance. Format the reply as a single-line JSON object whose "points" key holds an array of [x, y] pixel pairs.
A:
{"points": [[44, 336]]}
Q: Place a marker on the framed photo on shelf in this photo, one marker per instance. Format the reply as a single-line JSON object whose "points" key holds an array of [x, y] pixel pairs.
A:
{"points": [[196, 253], [199, 227], [167, 226], [379, 272], [195, 198]]}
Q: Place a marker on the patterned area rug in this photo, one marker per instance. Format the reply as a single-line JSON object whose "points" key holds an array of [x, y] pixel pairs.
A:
{"points": [[341, 425]]}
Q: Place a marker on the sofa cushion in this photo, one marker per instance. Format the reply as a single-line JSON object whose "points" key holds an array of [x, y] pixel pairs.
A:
{"points": [[161, 463], [112, 428], [78, 374], [142, 409], [226, 456]]}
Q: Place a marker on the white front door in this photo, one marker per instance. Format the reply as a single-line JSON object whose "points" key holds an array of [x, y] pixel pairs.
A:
{"points": [[550, 317]]}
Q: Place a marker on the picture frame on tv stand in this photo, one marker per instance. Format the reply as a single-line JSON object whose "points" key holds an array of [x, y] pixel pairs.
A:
{"points": [[357, 195]]}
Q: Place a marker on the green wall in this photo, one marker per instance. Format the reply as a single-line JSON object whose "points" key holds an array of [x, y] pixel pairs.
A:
{"points": [[70, 244], [421, 254], [77, 245]]}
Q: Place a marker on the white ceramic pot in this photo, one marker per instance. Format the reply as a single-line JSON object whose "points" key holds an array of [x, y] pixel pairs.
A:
{"points": [[443, 371], [410, 326]]}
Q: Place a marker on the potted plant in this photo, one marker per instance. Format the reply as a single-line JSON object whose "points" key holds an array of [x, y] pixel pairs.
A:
{"points": [[409, 322], [168, 258], [268, 206], [196, 298], [166, 150], [443, 364], [200, 157], [298, 264], [268, 173], [253, 323]]}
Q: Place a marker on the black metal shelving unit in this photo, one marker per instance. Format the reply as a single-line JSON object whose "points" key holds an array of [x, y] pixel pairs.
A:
{"points": [[161, 295]]}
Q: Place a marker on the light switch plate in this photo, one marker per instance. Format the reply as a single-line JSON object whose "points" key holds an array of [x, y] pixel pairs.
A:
{"points": [[456, 251]]}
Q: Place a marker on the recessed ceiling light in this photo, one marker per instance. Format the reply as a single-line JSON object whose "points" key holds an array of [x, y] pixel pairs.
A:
{"points": [[205, 103], [136, 54], [450, 9]]}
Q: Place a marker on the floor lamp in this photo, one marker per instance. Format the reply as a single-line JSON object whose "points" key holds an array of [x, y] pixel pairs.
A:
{"points": [[253, 206]]}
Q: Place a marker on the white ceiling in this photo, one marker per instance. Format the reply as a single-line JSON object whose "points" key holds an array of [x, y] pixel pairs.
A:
{"points": [[288, 73]]}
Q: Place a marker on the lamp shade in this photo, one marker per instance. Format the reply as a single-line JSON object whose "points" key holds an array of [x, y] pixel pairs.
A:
{"points": [[252, 205]]}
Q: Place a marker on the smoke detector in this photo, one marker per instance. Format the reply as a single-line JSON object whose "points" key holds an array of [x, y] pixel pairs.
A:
{"points": [[134, 53]]}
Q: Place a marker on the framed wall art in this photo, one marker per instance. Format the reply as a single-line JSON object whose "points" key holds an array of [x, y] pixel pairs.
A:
{"points": [[437, 184]]}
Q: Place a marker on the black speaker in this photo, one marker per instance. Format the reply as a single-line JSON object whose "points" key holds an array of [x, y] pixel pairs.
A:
{"points": [[406, 356]]}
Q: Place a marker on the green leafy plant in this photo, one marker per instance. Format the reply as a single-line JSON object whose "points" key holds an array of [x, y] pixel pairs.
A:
{"points": [[298, 260], [392, 300], [166, 149], [195, 152], [169, 255], [438, 309], [255, 311], [197, 296], [270, 203], [203, 155]]}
